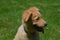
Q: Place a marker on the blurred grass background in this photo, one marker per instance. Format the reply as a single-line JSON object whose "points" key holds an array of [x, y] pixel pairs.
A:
{"points": [[11, 15]]}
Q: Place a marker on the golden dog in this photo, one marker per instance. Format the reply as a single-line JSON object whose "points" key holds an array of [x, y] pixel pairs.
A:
{"points": [[32, 24]]}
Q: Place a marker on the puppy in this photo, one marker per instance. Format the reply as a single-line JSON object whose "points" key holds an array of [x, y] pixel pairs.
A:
{"points": [[32, 24]]}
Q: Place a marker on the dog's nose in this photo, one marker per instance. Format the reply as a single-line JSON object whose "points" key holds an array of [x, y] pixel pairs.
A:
{"points": [[45, 25]]}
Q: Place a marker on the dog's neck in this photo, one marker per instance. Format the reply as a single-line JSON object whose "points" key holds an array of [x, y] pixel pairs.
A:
{"points": [[29, 32], [29, 28]]}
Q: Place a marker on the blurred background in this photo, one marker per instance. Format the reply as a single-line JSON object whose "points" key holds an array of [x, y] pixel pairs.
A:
{"points": [[11, 15]]}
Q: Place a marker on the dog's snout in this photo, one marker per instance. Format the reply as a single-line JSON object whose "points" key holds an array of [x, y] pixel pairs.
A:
{"points": [[45, 24]]}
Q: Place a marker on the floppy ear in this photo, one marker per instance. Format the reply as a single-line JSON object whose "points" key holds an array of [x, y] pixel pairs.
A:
{"points": [[26, 15]]}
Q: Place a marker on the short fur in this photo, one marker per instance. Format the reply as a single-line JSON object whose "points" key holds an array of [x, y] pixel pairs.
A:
{"points": [[32, 24]]}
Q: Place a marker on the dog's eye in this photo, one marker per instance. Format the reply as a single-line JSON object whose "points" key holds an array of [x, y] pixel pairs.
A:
{"points": [[37, 18]]}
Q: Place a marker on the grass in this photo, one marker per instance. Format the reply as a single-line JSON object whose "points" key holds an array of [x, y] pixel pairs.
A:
{"points": [[11, 14]]}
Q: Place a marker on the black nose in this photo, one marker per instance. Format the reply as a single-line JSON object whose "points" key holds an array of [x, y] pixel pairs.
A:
{"points": [[45, 25]]}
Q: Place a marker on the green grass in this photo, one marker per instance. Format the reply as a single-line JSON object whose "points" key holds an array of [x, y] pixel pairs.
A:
{"points": [[11, 14]]}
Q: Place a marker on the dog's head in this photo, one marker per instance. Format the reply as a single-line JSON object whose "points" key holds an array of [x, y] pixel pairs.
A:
{"points": [[34, 15]]}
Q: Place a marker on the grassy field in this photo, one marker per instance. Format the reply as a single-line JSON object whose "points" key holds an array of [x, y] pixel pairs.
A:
{"points": [[11, 14]]}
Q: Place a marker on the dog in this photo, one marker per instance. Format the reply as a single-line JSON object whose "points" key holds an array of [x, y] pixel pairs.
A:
{"points": [[32, 24]]}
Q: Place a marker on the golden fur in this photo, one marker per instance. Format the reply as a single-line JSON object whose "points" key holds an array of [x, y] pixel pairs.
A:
{"points": [[32, 24]]}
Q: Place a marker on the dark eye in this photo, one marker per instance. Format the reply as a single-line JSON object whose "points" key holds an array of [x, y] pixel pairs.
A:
{"points": [[37, 18]]}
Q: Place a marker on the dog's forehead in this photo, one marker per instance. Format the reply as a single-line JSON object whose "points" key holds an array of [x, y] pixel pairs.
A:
{"points": [[34, 9], [36, 14]]}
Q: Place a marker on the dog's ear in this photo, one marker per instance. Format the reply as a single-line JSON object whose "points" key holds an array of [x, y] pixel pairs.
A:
{"points": [[26, 15]]}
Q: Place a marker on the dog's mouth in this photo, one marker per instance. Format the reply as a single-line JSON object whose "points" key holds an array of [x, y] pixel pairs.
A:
{"points": [[39, 29]]}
